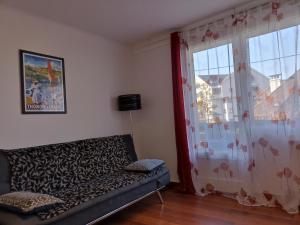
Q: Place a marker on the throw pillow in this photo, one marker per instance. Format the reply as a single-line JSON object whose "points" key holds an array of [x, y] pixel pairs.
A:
{"points": [[27, 202], [144, 165]]}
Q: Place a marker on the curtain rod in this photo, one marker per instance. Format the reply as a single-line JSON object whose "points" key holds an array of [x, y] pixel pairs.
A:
{"points": [[246, 6]]}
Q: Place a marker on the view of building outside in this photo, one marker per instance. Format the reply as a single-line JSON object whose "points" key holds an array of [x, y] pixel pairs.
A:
{"points": [[214, 79], [273, 71]]}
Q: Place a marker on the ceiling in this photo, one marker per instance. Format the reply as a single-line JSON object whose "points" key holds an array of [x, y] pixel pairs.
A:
{"points": [[126, 21]]}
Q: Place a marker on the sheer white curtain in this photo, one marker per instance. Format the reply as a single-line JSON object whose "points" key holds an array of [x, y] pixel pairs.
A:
{"points": [[241, 89]]}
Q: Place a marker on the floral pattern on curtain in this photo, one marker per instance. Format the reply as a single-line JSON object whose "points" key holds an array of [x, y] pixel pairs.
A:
{"points": [[241, 87]]}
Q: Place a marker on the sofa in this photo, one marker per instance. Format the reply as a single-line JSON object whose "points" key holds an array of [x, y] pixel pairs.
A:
{"points": [[88, 175]]}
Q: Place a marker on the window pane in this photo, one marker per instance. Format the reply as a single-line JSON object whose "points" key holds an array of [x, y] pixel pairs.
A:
{"points": [[203, 72], [223, 55], [267, 68], [288, 67], [196, 64], [213, 71], [224, 70], [268, 47], [287, 41], [273, 72], [215, 86], [229, 50], [298, 40], [212, 57], [202, 60]]}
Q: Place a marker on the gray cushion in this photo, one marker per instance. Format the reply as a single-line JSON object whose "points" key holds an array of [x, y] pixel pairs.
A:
{"points": [[145, 165], [27, 202]]}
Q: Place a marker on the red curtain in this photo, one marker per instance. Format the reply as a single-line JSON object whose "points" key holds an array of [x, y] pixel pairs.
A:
{"points": [[183, 161]]}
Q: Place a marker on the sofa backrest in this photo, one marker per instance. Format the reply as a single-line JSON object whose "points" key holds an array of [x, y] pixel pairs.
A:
{"points": [[4, 174], [49, 168]]}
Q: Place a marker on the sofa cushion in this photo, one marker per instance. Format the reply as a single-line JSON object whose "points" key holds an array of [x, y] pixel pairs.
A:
{"points": [[93, 209], [87, 191], [27, 202]]}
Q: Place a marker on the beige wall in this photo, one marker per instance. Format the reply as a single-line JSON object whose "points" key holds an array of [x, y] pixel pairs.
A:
{"points": [[94, 68], [154, 124], [97, 70]]}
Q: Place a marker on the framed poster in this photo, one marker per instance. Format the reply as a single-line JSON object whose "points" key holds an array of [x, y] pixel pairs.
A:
{"points": [[42, 84]]}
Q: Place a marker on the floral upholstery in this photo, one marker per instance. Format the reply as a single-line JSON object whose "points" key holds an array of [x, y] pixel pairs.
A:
{"points": [[74, 172]]}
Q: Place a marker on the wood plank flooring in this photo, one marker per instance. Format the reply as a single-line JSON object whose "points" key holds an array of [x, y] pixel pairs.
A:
{"points": [[181, 209]]}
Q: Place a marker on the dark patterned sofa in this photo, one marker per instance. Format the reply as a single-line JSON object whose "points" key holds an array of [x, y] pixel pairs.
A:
{"points": [[88, 175]]}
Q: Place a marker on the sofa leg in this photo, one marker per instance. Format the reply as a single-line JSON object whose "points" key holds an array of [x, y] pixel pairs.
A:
{"points": [[160, 197]]}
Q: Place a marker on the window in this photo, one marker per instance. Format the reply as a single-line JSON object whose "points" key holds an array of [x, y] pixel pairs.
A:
{"points": [[215, 87], [274, 60], [274, 65]]}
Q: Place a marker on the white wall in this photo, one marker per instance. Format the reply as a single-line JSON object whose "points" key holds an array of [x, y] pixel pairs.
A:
{"points": [[94, 68], [97, 70], [154, 124]]}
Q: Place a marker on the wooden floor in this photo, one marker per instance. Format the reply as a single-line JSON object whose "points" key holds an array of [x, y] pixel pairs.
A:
{"points": [[180, 209]]}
